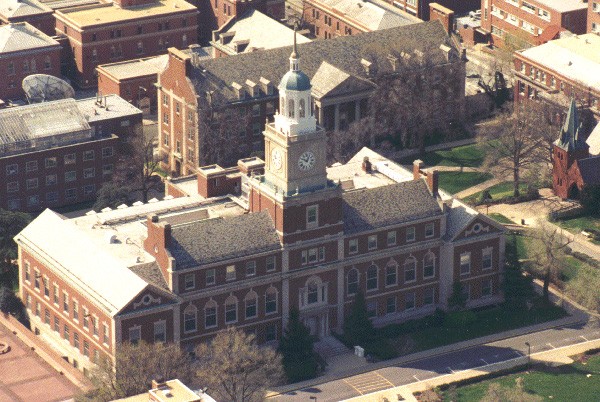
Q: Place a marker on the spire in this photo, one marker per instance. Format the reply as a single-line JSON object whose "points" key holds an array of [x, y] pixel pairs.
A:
{"points": [[294, 56], [569, 133]]}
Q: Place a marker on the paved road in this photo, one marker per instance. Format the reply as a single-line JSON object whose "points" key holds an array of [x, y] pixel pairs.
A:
{"points": [[419, 370]]}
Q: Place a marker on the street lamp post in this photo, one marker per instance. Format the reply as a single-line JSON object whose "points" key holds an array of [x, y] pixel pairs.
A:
{"points": [[528, 353]]}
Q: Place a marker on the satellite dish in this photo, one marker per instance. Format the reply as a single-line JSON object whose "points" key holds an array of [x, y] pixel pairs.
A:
{"points": [[44, 88]]}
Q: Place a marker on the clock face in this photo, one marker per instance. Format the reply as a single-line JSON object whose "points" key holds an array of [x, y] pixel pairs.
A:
{"points": [[307, 161], [276, 159]]}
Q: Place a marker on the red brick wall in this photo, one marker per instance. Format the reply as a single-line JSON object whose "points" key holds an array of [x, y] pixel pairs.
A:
{"points": [[326, 24], [593, 17], [10, 84], [146, 324], [43, 22]]}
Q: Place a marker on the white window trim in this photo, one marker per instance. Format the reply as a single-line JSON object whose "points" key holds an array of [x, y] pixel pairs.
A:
{"points": [[135, 328], [312, 225], [468, 253], [483, 252]]}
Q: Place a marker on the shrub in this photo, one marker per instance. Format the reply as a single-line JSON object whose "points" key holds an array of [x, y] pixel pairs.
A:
{"points": [[381, 349], [458, 319]]}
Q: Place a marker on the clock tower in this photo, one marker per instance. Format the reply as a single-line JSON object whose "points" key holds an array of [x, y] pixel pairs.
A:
{"points": [[295, 147]]}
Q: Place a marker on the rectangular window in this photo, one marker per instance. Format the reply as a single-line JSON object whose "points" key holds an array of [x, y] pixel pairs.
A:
{"points": [[312, 255], [89, 189], [89, 173], [56, 324], [372, 242], [190, 281], [88, 155], [51, 180], [160, 331], [271, 332], [429, 230], [486, 262], [36, 279], [429, 266], [65, 302], [230, 313], [250, 268], [251, 308], [391, 238], [135, 334], [270, 302], [50, 162], [210, 276], [372, 278], [107, 152], [410, 269], [271, 263], [95, 325], [70, 159], [70, 176], [27, 271], [391, 275], [353, 246], [12, 187], [409, 301], [76, 340], [486, 288], [410, 234], [390, 305], [465, 263], [312, 216], [86, 318], [47, 316], [32, 184], [37, 309], [107, 169], [12, 169], [372, 309], [210, 317], [66, 336], [230, 273], [428, 296], [46, 287], [105, 336], [70, 193], [31, 166], [75, 310]]}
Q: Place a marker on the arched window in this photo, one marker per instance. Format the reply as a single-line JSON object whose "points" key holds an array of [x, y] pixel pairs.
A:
{"points": [[352, 286], [251, 300], [372, 280], [231, 310], [210, 314], [291, 111], [312, 294], [189, 318], [429, 265], [271, 300], [391, 274], [302, 110], [410, 269]]}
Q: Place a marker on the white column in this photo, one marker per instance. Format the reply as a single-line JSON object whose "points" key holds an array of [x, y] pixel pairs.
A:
{"points": [[340, 298]]}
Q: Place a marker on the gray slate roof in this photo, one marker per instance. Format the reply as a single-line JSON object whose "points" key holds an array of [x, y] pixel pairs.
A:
{"points": [[388, 205], [459, 217], [220, 239], [21, 8], [343, 52], [590, 170], [151, 273], [22, 36]]}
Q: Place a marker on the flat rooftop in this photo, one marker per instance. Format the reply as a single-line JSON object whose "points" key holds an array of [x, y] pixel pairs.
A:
{"points": [[60, 4], [563, 5], [98, 14], [95, 109], [368, 14], [576, 57]]}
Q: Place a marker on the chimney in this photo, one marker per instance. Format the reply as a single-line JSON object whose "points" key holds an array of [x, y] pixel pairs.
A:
{"points": [[158, 240], [432, 181], [158, 382], [417, 167], [366, 165]]}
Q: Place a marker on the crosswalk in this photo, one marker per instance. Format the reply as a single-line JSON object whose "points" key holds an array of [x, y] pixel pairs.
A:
{"points": [[369, 382]]}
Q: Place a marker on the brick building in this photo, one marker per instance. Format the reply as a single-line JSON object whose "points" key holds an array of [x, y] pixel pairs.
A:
{"points": [[241, 88], [58, 153], [593, 17], [247, 244], [106, 33], [25, 50], [250, 32], [560, 70], [32, 11], [421, 8], [573, 165], [330, 18], [531, 21]]}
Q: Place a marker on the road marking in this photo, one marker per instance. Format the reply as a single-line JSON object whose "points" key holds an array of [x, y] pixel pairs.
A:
{"points": [[584, 338], [452, 371], [549, 344], [388, 381], [486, 363], [520, 354], [356, 389], [415, 377]]}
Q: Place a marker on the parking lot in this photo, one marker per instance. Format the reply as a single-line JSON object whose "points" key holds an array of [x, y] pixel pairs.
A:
{"points": [[24, 376]]}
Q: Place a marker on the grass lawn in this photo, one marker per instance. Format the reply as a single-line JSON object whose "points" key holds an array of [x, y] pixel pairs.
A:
{"points": [[564, 383], [500, 218], [454, 182], [466, 156], [576, 225], [498, 192]]}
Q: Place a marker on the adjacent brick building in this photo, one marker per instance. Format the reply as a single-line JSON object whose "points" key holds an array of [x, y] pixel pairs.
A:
{"points": [[421, 8], [560, 70], [105, 33], [531, 22], [236, 94], [593, 17], [58, 153], [246, 245], [25, 50], [330, 18], [32, 11]]}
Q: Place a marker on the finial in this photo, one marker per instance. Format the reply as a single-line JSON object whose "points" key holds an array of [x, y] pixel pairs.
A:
{"points": [[294, 56], [295, 50]]}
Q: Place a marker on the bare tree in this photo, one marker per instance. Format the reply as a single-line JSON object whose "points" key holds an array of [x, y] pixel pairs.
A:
{"points": [[136, 365], [516, 142], [498, 393], [548, 252], [236, 369]]}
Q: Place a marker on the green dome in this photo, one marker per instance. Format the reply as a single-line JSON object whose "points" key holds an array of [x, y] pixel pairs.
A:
{"points": [[295, 81]]}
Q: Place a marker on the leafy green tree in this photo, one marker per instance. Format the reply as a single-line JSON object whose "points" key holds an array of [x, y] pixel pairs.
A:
{"points": [[11, 223], [358, 328], [300, 361], [590, 199], [8, 300], [235, 368], [111, 195], [458, 298]]}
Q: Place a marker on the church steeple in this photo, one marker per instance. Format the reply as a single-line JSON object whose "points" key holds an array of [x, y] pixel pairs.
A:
{"points": [[294, 65], [570, 137]]}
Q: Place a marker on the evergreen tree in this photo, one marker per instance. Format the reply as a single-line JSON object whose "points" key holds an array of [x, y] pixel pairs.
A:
{"points": [[458, 299], [300, 361], [358, 328], [517, 288]]}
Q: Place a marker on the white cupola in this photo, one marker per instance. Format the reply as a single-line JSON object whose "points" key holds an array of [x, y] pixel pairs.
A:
{"points": [[296, 112]]}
